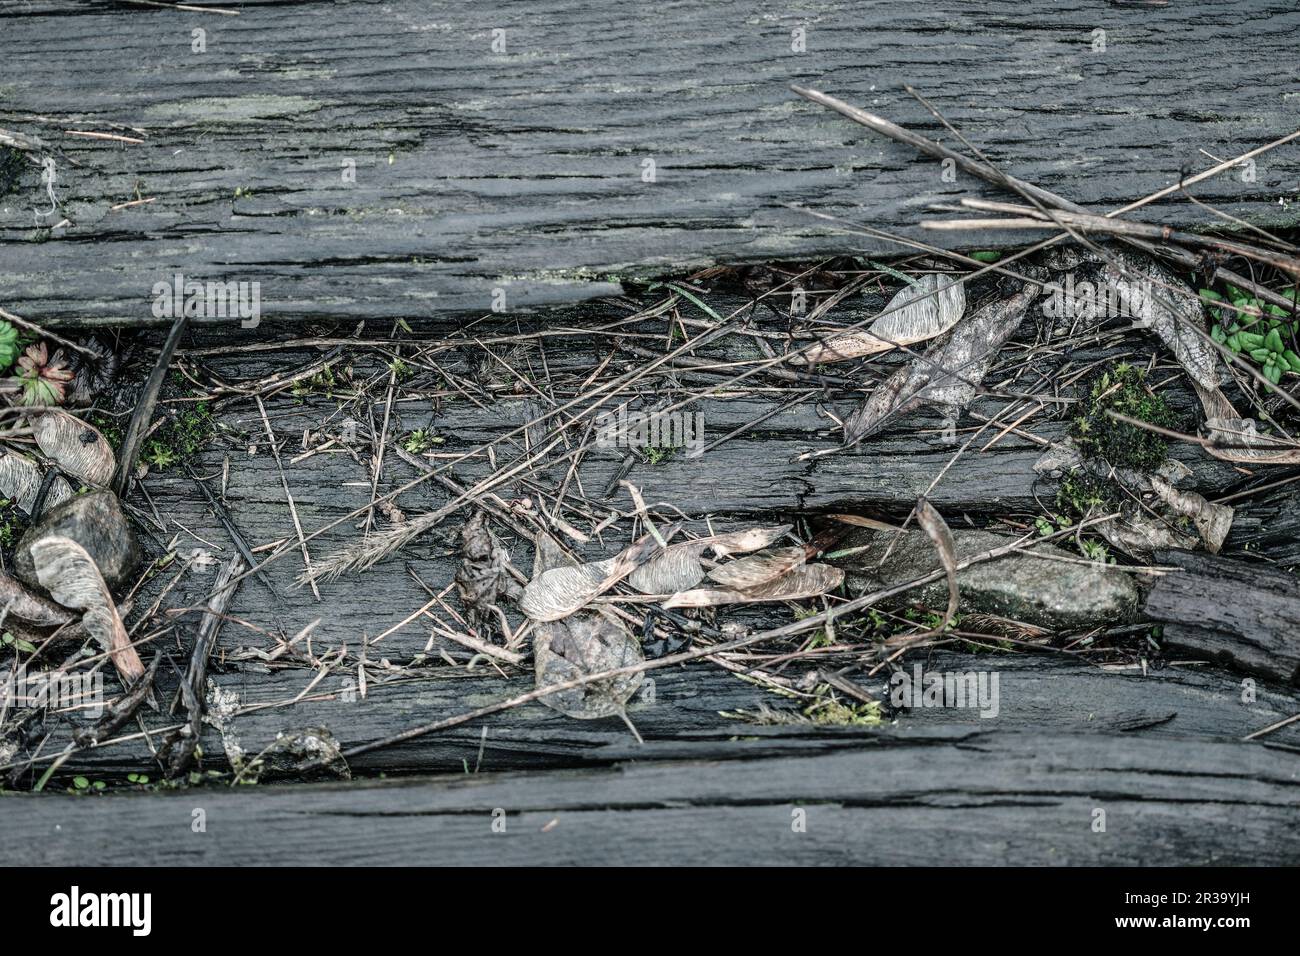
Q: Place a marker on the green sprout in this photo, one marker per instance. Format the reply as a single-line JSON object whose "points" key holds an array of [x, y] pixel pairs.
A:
{"points": [[421, 440], [180, 439], [8, 345], [1265, 338]]}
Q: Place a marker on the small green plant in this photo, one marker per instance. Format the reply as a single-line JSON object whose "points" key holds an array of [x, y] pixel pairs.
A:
{"points": [[401, 371], [1122, 390], [11, 523], [657, 455], [157, 455], [17, 643], [84, 785], [8, 345], [180, 439], [12, 164], [830, 711], [1083, 494], [43, 380], [421, 440], [1268, 338], [108, 427], [1094, 550], [988, 255], [321, 383]]}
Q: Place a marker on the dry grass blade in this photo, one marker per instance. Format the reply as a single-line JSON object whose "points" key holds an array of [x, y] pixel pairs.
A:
{"points": [[65, 569], [936, 528]]}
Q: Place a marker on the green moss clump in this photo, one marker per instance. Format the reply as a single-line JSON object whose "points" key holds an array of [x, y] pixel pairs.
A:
{"points": [[827, 710], [1122, 389], [108, 427], [180, 439], [1082, 494], [12, 524]]}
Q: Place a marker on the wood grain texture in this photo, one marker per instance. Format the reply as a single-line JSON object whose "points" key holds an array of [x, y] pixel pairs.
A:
{"points": [[522, 170], [690, 711], [946, 797], [1231, 611]]}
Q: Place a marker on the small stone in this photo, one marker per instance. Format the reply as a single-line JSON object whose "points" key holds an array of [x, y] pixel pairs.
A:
{"points": [[96, 522], [1020, 586]]}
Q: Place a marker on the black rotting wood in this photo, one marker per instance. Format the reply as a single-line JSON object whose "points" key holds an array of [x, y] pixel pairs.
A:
{"points": [[952, 796], [1242, 614], [566, 161], [698, 707]]}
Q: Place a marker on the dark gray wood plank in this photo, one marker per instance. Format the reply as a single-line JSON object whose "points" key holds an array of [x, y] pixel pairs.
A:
{"points": [[952, 797], [686, 713], [1242, 614], [522, 170]]}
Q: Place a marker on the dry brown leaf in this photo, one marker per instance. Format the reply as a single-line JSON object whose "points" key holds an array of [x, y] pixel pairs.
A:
{"points": [[585, 642], [558, 592], [929, 308], [1213, 521], [17, 601], [949, 372], [76, 447], [755, 570], [678, 567], [807, 581], [1169, 308], [65, 570], [20, 480]]}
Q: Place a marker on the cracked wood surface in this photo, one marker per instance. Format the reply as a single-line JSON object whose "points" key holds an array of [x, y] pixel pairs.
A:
{"points": [[691, 711], [949, 796], [523, 170]]}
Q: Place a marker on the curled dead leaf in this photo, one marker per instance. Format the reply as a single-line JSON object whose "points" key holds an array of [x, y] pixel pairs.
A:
{"points": [[17, 601], [810, 580], [65, 570], [483, 577], [1213, 521]]}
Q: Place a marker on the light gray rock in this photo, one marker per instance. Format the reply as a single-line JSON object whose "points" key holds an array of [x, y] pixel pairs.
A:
{"points": [[96, 522], [1035, 590]]}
